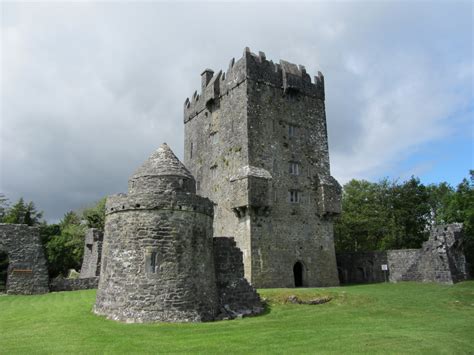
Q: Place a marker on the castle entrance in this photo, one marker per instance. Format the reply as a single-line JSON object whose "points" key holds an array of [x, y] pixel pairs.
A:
{"points": [[3, 270], [298, 270]]}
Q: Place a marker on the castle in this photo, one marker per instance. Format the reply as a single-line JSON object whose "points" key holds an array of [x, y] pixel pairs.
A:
{"points": [[257, 171], [256, 142]]}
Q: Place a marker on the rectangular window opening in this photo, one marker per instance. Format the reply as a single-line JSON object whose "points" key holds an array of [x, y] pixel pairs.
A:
{"points": [[294, 168], [151, 262], [292, 131], [294, 196], [214, 171], [214, 137]]}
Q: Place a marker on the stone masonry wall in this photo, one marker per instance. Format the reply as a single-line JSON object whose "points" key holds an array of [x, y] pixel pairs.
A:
{"points": [[157, 259], [239, 148], [361, 267], [92, 253], [27, 271], [439, 260], [61, 284], [404, 265], [236, 296]]}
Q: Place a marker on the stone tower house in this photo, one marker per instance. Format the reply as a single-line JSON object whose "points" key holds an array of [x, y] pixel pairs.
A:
{"points": [[256, 142]]}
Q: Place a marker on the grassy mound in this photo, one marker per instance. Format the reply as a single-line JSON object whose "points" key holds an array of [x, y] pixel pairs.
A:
{"points": [[379, 318]]}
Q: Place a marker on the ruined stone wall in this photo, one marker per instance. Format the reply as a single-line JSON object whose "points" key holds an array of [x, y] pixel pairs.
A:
{"points": [[61, 284], [361, 267], [404, 265], [236, 296], [238, 147], [157, 259], [92, 253], [27, 270], [440, 259]]}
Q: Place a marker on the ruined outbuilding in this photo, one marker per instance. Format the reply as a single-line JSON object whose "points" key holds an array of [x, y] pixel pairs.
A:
{"points": [[160, 261], [27, 272], [440, 259]]}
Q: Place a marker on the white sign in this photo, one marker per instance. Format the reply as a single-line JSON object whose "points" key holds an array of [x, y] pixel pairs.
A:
{"points": [[384, 267]]}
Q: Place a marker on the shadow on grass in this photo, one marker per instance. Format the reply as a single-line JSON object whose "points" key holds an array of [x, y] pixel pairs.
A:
{"points": [[363, 284], [267, 309]]}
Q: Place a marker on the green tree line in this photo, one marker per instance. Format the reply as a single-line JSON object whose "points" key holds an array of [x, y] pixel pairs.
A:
{"points": [[398, 215]]}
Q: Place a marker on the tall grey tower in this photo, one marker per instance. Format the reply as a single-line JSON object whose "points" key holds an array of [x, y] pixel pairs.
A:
{"points": [[256, 142]]}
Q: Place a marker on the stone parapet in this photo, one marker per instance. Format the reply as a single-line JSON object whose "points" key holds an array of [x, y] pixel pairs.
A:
{"points": [[286, 76]]}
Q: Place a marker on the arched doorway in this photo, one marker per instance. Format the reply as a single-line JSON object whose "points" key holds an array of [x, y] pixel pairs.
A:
{"points": [[298, 271], [3, 271]]}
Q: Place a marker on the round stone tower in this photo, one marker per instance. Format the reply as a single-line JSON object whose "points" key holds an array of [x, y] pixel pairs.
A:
{"points": [[158, 248]]}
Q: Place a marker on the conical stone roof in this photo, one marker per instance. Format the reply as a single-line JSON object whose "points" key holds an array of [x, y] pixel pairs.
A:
{"points": [[162, 162]]}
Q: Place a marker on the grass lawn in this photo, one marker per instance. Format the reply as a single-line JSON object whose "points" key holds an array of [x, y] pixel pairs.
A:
{"points": [[378, 318]]}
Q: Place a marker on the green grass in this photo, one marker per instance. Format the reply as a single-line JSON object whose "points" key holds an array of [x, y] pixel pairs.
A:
{"points": [[379, 318]]}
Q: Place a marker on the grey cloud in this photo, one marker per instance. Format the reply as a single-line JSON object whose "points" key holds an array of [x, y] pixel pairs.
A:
{"points": [[90, 90]]}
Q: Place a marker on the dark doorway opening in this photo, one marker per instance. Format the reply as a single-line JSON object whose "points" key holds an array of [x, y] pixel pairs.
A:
{"points": [[298, 274], [360, 275], [340, 273], [3, 271]]}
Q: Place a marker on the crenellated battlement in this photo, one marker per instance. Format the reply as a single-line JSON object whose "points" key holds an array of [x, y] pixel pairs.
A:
{"points": [[291, 78]]}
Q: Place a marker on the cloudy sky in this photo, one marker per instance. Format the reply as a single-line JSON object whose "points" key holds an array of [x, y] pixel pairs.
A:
{"points": [[90, 90]]}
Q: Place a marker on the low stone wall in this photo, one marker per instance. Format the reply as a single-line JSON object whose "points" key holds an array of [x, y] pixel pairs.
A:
{"points": [[62, 284], [361, 267], [236, 296]]}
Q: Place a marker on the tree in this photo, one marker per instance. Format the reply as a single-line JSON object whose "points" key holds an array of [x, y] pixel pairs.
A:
{"points": [[410, 212], [21, 213], [363, 223], [94, 216], [65, 250], [461, 209], [440, 197], [64, 242], [383, 215]]}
